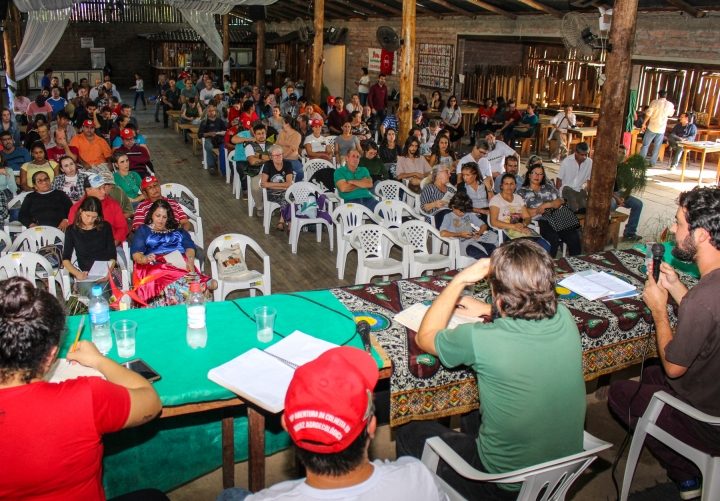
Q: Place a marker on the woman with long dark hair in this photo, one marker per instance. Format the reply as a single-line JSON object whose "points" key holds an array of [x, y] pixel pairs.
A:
{"points": [[411, 165], [89, 237], [452, 118]]}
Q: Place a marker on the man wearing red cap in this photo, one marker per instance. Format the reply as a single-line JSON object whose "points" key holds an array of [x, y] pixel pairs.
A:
{"points": [[151, 189], [329, 415], [138, 154], [94, 151]]}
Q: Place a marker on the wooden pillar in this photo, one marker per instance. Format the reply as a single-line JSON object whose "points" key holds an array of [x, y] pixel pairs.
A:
{"points": [[610, 126], [407, 69], [317, 52], [260, 54], [226, 47], [9, 59]]}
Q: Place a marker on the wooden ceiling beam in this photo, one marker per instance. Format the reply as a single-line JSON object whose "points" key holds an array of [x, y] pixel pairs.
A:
{"points": [[380, 5], [686, 7], [365, 12], [289, 9], [541, 7], [492, 8], [452, 7]]}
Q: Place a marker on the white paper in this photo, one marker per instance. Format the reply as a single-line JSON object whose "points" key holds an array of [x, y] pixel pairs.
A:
{"points": [[99, 270], [413, 316], [62, 370], [175, 259], [595, 285], [261, 378]]}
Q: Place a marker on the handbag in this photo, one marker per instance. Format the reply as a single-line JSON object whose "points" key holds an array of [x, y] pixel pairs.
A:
{"points": [[562, 219]]}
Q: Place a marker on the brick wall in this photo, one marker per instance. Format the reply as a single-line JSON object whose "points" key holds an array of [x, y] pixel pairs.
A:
{"points": [[123, 49]]}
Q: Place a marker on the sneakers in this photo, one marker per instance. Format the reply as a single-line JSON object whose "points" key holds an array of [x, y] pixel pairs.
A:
{"points": [[555, 160], [632, 238], [690, 489]]}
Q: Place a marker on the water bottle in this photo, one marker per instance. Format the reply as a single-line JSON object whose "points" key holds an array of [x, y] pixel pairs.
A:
{"points": [[100, 321], [196, 329]]}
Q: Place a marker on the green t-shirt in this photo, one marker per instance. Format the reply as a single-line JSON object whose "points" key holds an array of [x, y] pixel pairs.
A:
{"points": [[530, 379], [345, 174], [130, 184]]}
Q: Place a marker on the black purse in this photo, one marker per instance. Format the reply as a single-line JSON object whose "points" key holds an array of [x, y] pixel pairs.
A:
{"points": [[562, 219]]}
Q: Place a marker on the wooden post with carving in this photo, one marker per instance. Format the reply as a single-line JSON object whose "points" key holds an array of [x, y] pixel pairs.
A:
{"points": [[317, 52], [9, 59], [407, 69], [260, 54], [610, 126], [226, 47]]}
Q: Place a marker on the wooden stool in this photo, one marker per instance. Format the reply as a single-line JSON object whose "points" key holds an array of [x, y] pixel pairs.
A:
{"points": [[616, 219]]}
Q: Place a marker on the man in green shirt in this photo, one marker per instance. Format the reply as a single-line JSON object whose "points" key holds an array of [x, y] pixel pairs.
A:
{"points": [[528, 364], [353, 182]]}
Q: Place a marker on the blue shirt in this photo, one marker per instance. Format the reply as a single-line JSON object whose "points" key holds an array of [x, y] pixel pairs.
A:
{"points": [[15, 159]]}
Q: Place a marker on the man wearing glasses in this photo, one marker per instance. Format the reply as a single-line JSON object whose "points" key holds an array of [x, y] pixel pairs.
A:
{"points": [[573, 179], [477, 155]]}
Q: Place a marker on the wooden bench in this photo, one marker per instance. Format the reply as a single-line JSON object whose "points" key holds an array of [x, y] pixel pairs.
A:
{"points": [[616, 219]]}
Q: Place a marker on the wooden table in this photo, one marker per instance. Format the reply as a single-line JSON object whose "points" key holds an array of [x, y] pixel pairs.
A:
{"points": [[586, 134], [702, 147]]}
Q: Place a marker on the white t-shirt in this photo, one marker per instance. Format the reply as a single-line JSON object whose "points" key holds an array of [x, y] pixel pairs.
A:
{"points": [[573, 175], [364, 84], [562, 122], [508, 210], [496, 156], [406, 479], [317, 144], [659, 112], [484, 165]]}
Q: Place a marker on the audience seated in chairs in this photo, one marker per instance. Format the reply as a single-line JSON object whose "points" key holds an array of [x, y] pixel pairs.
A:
{"points": [[128, 181], [442, 153], [59, 417], [150, 188], [70, 180], [478, 188], [525, 127], [276, 176], [354, 183], [13, 156], [316, 145], [436, 195], [683, 131], [530, 324], [373, 163], [39, 163], [93, 150], [98, 186], [138, 154], [452, 119]]}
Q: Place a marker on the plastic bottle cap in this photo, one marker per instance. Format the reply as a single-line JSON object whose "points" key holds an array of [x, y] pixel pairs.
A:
{"points": [[195, 287], [97, 290]]}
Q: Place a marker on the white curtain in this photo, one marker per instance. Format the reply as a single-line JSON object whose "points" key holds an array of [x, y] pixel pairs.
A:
{"points": [[200, 15], [47, 20]]}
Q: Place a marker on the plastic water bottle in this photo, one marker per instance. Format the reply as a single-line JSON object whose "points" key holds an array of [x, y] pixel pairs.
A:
{"points": [[100, 321], [196, 329]]}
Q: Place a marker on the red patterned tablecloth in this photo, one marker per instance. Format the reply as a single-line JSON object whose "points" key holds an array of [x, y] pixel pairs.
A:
{"points": [[615, 334]]}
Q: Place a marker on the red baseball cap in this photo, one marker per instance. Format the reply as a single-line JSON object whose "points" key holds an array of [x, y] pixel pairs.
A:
{"points": [[147, 181], [89, 123], [316, 122], [329, 400], [127, 134]]}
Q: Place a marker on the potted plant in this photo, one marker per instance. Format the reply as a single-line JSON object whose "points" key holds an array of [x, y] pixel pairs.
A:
{"points": [[632, 175]]}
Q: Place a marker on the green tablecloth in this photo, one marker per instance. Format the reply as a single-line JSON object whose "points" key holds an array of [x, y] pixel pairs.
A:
{"points": [[169, 452]]}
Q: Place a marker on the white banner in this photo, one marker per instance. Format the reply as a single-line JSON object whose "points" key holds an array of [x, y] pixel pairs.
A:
{"points": [[374, 61]]}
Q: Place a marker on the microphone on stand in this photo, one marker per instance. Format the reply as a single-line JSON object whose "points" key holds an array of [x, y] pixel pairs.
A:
{"points": [[658, 251], [363, 330]]}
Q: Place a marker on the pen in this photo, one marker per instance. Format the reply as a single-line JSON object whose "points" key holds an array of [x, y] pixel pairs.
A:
{"points": [[77, 336]]}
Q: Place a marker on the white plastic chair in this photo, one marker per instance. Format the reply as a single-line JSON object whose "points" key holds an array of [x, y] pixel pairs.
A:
{"points": [[373, 244], [418, 234], [390, 214], [298, 194], [181, 193], [35, 268], [253, 279], [236, 181], [36, 237], [347, 217], [197, 234], [395, 190], [268, 209], [12, 227], [553, 477], [5, 242], [708, 465], [228, 167], [204, 154], [461, 260], [312, 166]]}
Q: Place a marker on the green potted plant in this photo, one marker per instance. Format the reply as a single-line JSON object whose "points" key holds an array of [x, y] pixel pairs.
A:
{"points": [[632, 175]]}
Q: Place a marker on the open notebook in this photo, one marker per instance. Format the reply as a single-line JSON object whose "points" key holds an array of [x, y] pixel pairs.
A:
{"points": [[412, 317], [62, 370], [263, 376]]}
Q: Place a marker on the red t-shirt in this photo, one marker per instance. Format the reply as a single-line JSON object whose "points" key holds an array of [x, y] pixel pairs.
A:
{"points": [[56, 152], [144, 206], [51, 440], [112, 213]]}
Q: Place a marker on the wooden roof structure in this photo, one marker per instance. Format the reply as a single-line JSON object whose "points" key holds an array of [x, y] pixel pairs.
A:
{"points": [[285, 10]]}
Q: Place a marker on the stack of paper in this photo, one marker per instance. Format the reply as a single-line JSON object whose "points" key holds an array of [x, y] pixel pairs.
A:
{"points": [[263, 377], [598, 285], [413, 316]]}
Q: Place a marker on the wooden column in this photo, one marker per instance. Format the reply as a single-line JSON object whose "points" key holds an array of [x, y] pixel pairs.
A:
{"points": [[317, 52], [226, 46], [407, 69], [260, 54], [610, 126], [9, 58]]}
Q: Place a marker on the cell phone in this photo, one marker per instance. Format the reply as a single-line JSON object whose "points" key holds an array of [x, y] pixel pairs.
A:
{"points": [[141, 367]]}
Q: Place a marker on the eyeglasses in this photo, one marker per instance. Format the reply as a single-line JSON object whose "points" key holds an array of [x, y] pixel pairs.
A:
{"points": [[42, 180], [276, 155]]}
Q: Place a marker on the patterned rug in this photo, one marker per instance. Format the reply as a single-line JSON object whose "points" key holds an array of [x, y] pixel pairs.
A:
{"points": [[614, 333]]}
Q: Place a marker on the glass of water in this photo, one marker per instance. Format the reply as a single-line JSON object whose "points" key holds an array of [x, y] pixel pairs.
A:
{"points": [[125, 331]]}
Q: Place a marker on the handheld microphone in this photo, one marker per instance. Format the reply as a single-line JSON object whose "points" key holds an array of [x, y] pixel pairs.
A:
{"points": [[363, 330], [658, 251]]}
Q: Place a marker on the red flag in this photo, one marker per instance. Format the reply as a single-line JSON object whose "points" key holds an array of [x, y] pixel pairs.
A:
{"points": [[386, 61]]}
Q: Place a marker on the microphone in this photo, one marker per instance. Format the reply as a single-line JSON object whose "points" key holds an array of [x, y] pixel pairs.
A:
{"points": [[363, 330], [658, 251]]}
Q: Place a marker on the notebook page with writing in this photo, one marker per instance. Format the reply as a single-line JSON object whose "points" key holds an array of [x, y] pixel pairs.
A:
{"points": [[62, 370]]}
